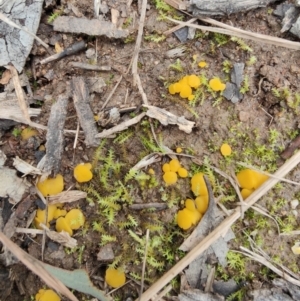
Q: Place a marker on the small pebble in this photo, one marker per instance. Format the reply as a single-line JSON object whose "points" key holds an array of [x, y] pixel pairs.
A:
{"points": [[294, 204]]}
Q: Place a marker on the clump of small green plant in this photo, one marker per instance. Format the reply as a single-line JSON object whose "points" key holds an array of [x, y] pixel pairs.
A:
{"points": [[156, 38], [241, 43], [16, 132], [292, 99], [226, 66], [177, 66], [245, 85], [54, 16]]}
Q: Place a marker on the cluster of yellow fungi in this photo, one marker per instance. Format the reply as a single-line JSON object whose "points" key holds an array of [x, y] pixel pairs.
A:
{"points": [[115, 277], [225, 150], [171, 170], [46, 295], [249, 180], [194, 209]]}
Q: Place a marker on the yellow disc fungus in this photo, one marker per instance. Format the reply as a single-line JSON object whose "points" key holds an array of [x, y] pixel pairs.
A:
{"points": [[114, 278], [82, 172], [225, 149], [191, 97], [178, 150], [75, 218], [151, 171], [194, 81], [63, 225], [246, 192], [28, 133], [170, 177], [202, 64], [186, 218], [166, 167], [182, 172], [174, 165], [46, 295], [296, 248], [59, 212], [198, 185], [216, 84], [172, 89], [185, 91], [51, 186], [190, 204], [184, 80], [250, 179], [202, 203], [41, 216], [177, 87]]}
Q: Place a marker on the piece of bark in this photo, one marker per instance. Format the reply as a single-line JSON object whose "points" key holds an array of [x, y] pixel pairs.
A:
{"points": [[224, 7], [67, 197], [89, 66], [92, 27], [166, 118], [55, 135], [16, 44], [289, 151], [85, 115]]}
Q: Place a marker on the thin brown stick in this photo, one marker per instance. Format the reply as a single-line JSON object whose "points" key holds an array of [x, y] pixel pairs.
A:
{"points": [[138, 43], [169, 31], [112, 93], [232, 31], [219, 231], [144, 263]]}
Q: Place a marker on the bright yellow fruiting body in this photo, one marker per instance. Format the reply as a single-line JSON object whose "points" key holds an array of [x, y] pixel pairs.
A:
{"points": [[251, 179], [216, 85], [51, 186], [246, 192], [185, 218], [172, 89], [202, 203], [225, 150], [178, 150], [202, 64], [75, 219], [194, 81], [177, 87], [170, 177], [46, 295], [174, 165], [185, 91], [115, 278], [190, 204], [151, 171], [182, 172], [63, 225], [198, 185], [166, 167], [28, 133], [82, 172]]}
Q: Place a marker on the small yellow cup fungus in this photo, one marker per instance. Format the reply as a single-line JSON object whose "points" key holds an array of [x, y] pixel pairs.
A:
{"points": [[225, 149], [28, 133], [246, 192], [178, 150], [185, 91], [251, 179], [198, 185], [202, 203], [51, 186], [216, 84], [177, 87], [41, 216], [191, 97], [194, 81], [75, 219], [151, 171], [46, 295], [63, 225], [182, 172], [174, 165], [82, 172], [296, 248], [190, 204], [202, 64], [187, 218], [115, 278], [172, 89], [166, 167], [170, 177], [184, 80], [59, 212]]}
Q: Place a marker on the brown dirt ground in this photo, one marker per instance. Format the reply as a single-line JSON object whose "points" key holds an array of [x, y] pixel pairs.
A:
{"points": [[225, 122]]}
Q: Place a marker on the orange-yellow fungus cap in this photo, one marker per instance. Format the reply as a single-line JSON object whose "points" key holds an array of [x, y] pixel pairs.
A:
{"points": [[51, 186], [250, 179], [182, 172], [198, 185], [177, 87], [191, 97], [170, 177], [246, 192], [202, 203], [225, 149], [82, 172], [216, 84], [174, 165], [185, 218], [46, 295], [185, 91], [27, 133], [184, 80], [194, 81], [63, 225], [166, 167], [202, 64], [190, 204], [75, 218], [178, 150], [115, 278], [172, 89]]}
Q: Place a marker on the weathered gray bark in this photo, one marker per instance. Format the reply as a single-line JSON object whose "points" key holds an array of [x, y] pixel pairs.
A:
{"points": [[225, 7], [16, 44]]}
